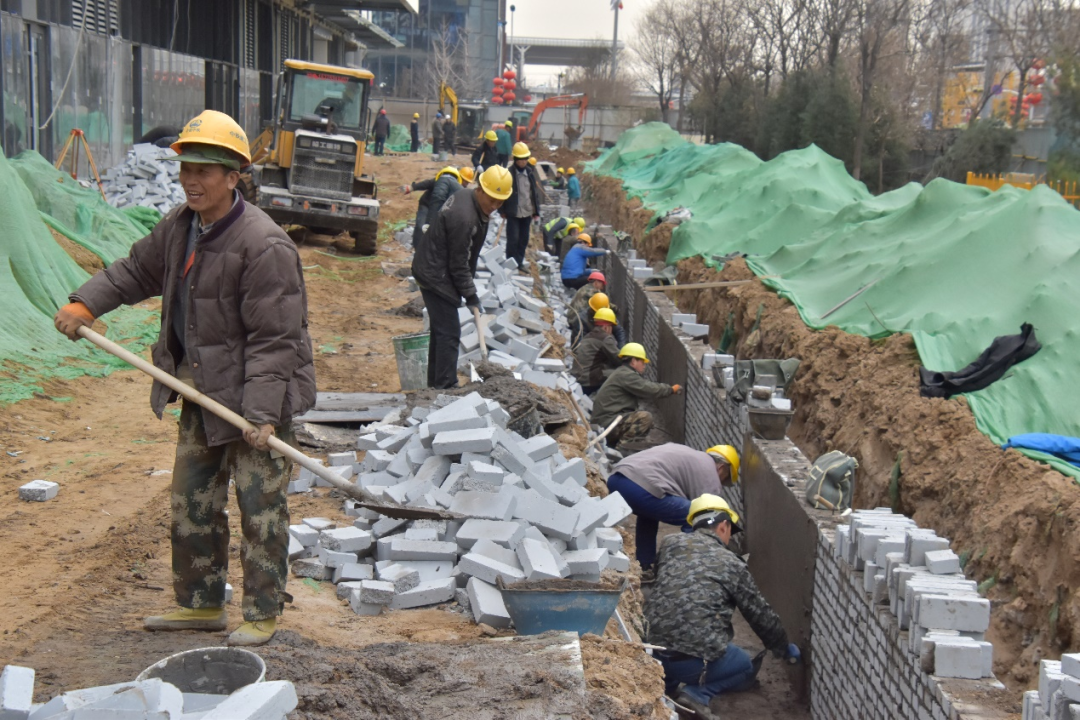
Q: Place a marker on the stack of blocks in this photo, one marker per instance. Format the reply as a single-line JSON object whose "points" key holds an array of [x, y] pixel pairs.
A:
{"points": [[1058, 696], [146, 178]]}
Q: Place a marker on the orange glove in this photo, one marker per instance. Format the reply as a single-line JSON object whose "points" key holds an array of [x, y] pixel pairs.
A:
{"points": [[71, 317], [676, 389]]}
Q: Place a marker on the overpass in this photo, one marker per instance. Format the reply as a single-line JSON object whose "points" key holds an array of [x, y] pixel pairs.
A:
{"points": [[557, 51]]}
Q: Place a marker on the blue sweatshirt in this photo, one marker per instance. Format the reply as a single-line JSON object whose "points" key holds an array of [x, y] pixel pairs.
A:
{"points": [[575, 263]]}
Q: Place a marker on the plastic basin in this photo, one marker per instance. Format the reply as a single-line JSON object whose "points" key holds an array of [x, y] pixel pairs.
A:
{"points": [[538, 610]]}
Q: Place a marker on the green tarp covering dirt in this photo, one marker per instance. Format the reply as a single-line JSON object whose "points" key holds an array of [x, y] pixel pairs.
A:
{"points": [[36, 275], [400, 141], [953, 265]]}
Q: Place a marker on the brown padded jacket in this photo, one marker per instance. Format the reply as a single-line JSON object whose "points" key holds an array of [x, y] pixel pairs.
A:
{"points": [[247, 337]]}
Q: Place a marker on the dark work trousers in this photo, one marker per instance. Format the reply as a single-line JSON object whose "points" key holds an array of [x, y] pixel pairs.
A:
{"points": [[517, 238], [577, 282], [504, 160], [650, 512], [445, 339], [379, 143]]}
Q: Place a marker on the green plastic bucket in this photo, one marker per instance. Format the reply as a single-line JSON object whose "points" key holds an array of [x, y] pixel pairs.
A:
{"points": [[411, 352]]}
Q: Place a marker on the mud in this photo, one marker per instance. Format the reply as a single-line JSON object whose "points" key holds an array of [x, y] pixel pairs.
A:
{"points": [[605, 585]]}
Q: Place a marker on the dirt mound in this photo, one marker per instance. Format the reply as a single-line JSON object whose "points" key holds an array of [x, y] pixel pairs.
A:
{"points": [[622, 670], [1011, 519]]}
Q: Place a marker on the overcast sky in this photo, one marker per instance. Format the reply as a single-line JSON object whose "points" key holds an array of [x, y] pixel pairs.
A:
{"points": [[585, 19]]}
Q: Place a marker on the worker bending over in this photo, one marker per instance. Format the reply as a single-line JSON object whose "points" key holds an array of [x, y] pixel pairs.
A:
{"points": [[234, 324], [436, 190], [659, 482], [444, 265], [557, 229], [523, 206], [486, 156], [597, 355], [699, 585], [620, 393], [575, 269]]}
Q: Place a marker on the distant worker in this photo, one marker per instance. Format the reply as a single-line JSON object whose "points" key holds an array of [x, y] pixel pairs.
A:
{"points": [[559, 183], [597, 355], [381, 130], [449, 135], [505, 143], [597, 283], [659, 483], [486, 155], [532, 161], [422, 206], [436, 135], [444, 265], [523, 206], [558, 228], [234, 324], [699, 585], [414, 133], [621, 393], [573, 188], [575, 270]]}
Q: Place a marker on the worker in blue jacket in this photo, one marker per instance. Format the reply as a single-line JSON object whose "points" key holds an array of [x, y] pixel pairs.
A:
{"points": [[573, 187], [575, 270]]}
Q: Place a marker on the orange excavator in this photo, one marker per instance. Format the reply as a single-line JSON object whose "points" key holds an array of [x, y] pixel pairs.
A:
{"points": [[529, 133]]}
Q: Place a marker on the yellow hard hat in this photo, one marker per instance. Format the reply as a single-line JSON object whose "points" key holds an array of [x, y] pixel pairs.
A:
{"points": [[712, 503], [571, 171], [521, 150], [532, 161], [509, 123], [633, 350], [496, 182], [449, 170], [604, 315], [214, 129], [560, 170], [730, 455], [599, 301], [466, 174], [416, 116], [585, 238], [490, 135], [580, 222], [572, 227]]}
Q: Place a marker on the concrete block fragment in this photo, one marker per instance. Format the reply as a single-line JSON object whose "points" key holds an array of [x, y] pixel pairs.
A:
{"points": [[489, 569], [376, 460], [304, 534], [319, 523], [38, 491], [572, 469], [537, 560], [352, 572], [678, 319], [335, 558], [918, 543], [270, 700], [942, 562], [431, 592], [376, 592], [583, 541], [422, 533], [403, 578], [539, 447], [486, 604], [346, 539], [16, 692], [618, 510], [695, 329], [341, 459], [506, 534], [311, 568], [954, 613], [296, 550], [430, 569], [1070, 664], [367, 442], [455, 442], [1070, 687], [550, 517], [484, 505], [397, 441], [485, 472], [403, 549], [609, 539], [966, 658], [387, 526], [586, 562], [618, 562]]}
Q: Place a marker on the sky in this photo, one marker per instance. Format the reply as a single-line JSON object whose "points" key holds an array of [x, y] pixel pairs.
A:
{"points": [[585, 19]]}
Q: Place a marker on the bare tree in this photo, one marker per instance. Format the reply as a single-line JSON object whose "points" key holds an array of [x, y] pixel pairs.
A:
{"points": [[788, 41], [834, 21], [443, 62], [657, 55], [1019, 26], [940, 37]]}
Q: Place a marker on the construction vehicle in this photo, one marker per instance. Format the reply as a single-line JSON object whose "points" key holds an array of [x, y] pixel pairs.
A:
{"points": [[469, 119], [309, 163], [528, 130]]}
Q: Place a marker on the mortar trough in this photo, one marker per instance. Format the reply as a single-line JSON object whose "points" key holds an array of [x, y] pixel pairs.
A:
{"points": [[770, 423], [210, 670], [583, 607]]}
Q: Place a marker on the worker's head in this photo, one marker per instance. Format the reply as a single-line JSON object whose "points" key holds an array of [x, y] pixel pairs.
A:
{"points": [[211, 149], [416, 116], [532, 161], [633, 354], [491, 138], [604, 319], [496, 186], [451, 171], [599, 300], [570, 171], [382, 111], [584, 238], [727, 463], [580, 222], [509, 124], [714, 513], [598, 280], [521, 154], [467, 174], [560, 171], [438, 116], [448, 118]]}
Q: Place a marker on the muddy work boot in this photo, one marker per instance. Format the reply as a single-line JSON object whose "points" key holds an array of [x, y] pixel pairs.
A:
{"points": [[254, 633], [700, 708], [189, 619]]}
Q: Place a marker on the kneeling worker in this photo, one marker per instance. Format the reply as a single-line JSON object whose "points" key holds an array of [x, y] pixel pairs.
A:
{"points": [[699, 584], [658, 483], [620, 393], [575, 271], [597, 355]]}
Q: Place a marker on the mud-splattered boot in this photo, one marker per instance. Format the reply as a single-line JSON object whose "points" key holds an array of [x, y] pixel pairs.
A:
{"points": [[249, 634], [189, 619]]}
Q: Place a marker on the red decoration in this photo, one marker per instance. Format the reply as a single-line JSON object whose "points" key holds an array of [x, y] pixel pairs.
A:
{"points": [[527, 98], [511, 84], [498, 81], [509, 97], [509, 74], [1034, 98], [497, 100], [497, 90], [1038, 64], [1036, 80]]}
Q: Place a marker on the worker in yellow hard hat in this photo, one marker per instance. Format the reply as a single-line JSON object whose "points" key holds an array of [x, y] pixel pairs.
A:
{"points": [[486, 155], [505, 142], [559, 181], [233, 325], [555, 230], [621, 394], [444, 264], [573, 188], [523, 206], [414, 133], [700, 584], [597, 355], [532, 161]]}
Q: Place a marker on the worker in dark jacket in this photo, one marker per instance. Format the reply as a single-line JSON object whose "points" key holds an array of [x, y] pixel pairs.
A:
{"points": [[597, 355], [425, 186], [437, 134], [621, 393], [699, 585], [444, 265], [523, 206], [381, 130], [234, 325], [414, 133], [449, 135], [485, 156], [505, 142]]}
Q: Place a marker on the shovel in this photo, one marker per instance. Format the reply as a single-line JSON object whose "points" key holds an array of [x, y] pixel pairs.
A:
{"points": [[365, 498], [480, 328]]}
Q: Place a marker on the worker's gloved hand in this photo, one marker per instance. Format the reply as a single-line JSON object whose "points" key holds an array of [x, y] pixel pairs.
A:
{"points": [[793, 656], [676, 389], [71, 317], [258, 436], [406, 189], [607, 252], [473, 302]]}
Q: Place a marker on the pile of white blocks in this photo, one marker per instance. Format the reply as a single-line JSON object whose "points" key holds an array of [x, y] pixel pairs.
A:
{"points": [[146, 178], [913, 571], [38, 491], [1058, 695], [687, 322], [525, 515], [142, 700]]}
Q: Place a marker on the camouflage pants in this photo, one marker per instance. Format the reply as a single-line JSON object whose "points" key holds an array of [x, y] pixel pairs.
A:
{"points": [[200, 526], [634, 426]]}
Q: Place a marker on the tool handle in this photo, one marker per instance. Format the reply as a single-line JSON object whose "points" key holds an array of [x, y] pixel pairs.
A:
{"points": [[480, 330], [601, 436]]}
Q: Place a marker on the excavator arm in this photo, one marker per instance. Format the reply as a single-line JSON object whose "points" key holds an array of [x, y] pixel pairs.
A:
{"points": [[447, 95], [581, 100]]}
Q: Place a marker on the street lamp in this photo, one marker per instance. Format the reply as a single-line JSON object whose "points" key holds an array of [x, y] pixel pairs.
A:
{"points": [[512, 57], [561, 76]]}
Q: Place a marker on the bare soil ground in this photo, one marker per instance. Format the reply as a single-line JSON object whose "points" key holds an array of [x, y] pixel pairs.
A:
{"points": [[1013, 520], [80, 572]]}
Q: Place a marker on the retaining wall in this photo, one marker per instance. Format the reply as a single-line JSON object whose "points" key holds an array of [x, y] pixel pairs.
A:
{"points": [[858, 665]]}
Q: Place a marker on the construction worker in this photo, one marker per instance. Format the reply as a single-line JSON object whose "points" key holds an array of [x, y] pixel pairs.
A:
{"points": [[575, 270], [559, 183], [505, 143], [444, 265], [414, 133], [597, 283], [381, 129], [597, 355], [620, 393], [523, 206], [449, 135], [558, 228], [436, 135], [234, 325], [486, 155], [658, 484], [699, 585], [566, 247], [573, 187], [532, 161]]}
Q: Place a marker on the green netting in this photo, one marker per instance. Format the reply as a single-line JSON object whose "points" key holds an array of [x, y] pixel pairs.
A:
{"points": [[953, 265], [399, 140], [36, 276], [74, 211]]}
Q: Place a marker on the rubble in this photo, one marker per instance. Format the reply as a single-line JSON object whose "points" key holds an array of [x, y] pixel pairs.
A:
{"points": [[146, 178]]}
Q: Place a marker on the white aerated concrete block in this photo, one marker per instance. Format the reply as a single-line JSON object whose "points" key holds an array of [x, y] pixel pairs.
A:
{"points": [[340, 459], [270, 700], [619, 562], [537, 560], [965, 658], [376, 592], [483, 505], [311, 568], [319, 524], [304, 534], [486, 604], [431, 592], [617, 508], [539, 447], [609, 539], [347, 539], [550, 517], [574, 468], [352, 572], [455, 442], [942, 562], [38, 491], [488, 569], [403, 549], [954, 613], [403, 578], [507, 534], [695, 329], [16, 692], [1070, 664], [642, 273], [586, 562]]}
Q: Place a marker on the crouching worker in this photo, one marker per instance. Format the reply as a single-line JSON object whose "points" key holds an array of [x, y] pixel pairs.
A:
{"points": [[699, 585], [621, 393], [234, 325]]}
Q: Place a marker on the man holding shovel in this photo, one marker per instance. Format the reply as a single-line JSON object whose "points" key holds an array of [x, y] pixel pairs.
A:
{"points": [[234, 325]]}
